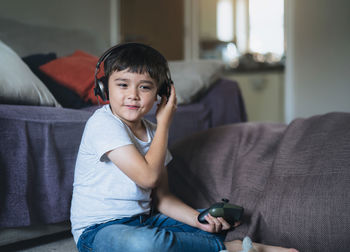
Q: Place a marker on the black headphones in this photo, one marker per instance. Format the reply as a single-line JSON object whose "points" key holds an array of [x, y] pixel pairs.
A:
{"points": [[101, 84]]}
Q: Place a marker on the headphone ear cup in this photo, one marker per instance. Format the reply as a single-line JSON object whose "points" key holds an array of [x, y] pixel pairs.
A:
{"points": [[165, 88], [102, 88]]}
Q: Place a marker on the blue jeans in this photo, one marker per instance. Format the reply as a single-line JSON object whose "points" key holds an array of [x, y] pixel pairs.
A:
{"points": [[147, 234]]}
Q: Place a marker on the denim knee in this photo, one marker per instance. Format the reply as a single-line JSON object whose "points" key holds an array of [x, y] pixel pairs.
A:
{"points": [[142, 242], [129, 238]]}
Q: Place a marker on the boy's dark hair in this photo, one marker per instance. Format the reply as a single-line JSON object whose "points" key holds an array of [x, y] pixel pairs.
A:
{"points": [[138, 58]]}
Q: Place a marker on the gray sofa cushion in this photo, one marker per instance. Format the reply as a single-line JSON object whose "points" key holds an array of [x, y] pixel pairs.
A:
{"points": [[306, 201], [292, 180]]}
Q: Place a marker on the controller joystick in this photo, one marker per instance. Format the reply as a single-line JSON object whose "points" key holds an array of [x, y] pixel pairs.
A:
{"points": [[229, 212]]}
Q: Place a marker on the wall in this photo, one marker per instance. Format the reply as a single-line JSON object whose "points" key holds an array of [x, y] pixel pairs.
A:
{"points": [[318, 57], [207, 19], [89, 15], [157, 23]]}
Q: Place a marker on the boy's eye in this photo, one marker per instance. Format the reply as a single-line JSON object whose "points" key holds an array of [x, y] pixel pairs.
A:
{"points": [[145, 87], [122, 85]]}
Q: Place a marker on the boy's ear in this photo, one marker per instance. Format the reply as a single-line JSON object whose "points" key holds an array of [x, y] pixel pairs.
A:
{"points": [[157, 93]]}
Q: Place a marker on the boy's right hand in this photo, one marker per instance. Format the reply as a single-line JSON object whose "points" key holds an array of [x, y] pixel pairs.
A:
{"points": [[166, 108], [215, 224]]}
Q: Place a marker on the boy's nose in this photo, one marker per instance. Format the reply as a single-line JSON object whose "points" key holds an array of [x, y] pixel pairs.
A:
{"points": [[133, 93]]}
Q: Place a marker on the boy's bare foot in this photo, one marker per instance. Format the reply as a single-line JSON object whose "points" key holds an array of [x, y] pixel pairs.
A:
{"points": [[236, 246]]}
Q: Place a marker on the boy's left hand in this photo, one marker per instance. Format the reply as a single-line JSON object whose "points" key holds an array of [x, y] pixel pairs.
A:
{"points": [[215, 225]]}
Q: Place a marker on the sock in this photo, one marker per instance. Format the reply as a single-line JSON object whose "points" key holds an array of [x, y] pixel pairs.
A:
{"points": [[248, 245]]}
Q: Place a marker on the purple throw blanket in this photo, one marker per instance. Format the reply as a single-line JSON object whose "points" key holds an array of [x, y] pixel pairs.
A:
{"points": [[38, 152]]}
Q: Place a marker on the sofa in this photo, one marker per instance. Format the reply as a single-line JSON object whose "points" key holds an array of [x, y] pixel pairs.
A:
{"points": [[292, 180]]}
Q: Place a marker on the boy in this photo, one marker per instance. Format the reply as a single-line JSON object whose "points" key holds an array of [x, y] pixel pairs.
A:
{"points": [[122, 159]]}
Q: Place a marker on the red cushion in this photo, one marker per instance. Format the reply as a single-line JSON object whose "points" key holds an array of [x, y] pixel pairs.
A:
{"points": [[76, 72]]}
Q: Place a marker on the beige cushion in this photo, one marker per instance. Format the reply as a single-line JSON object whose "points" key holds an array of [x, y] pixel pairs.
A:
{"points": [[193, 78], [18, 84]]}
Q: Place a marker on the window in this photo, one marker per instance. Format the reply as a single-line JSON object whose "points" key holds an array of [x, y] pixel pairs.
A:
{"points": [[241, 27], [224, 20], [266, 26]]}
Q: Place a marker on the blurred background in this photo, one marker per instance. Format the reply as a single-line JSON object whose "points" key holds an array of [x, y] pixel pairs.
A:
{"points": [[290, 58]]}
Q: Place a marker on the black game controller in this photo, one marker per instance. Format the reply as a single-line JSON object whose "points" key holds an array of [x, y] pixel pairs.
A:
{"points": [[229, 212]]}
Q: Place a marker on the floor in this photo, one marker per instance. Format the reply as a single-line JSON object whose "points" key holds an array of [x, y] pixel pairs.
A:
{"points": [[61, 242]]}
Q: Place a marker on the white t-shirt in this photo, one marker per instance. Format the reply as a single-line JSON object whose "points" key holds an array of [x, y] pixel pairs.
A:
{"points": [[101, 191]]}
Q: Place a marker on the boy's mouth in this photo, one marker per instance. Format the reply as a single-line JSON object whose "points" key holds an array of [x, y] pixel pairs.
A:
{"points": [[132, 107]]}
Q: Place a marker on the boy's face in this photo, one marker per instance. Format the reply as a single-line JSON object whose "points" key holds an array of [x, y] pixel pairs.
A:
{"points": [[131, 95]]}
